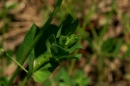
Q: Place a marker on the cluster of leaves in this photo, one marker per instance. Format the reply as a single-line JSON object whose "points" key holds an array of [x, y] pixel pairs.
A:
{"points": [[55, 45], [60, 44], [45, 47]]}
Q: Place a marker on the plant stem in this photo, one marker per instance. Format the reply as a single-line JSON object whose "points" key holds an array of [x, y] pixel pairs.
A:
{"points": [[43, 29], [35, 69], [13, 60], [72, 66], [42, 62]]}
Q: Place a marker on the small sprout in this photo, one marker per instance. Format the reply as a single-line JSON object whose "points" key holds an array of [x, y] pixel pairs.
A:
{"points": [[71, 40]]}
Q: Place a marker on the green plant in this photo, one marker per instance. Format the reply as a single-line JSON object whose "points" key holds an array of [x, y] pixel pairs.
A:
{"points": [[62, 78], [103, 49], [46, 47]]}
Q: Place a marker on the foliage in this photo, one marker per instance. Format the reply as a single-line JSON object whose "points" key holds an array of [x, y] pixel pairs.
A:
{"points": [[62, 78], [46, 47]]}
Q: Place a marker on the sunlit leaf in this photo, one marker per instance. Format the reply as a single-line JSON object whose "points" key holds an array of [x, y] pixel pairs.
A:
{"points": [[42, 74], [71, 40], [45, 71]]}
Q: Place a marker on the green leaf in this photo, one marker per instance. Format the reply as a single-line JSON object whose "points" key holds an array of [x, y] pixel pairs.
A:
{"points": [[85, 82], [71, 40], [42, 74], [45, 71], [59, 32], [78, 56], [65, 24], [62, 58], [27, 41], [67, 21], [108, 45], [41, 44], [64, 76], [41, 59], [74, 47], [70, 29], [118, 46], [78, 76], [79, 79], [51, 40], [62, 41], [58, 51]]}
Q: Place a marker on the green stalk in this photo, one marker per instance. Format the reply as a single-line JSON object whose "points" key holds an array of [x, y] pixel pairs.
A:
{"points": [[13, 60], [72, 64], [41, 63], [43, 29], [34, 70]]}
